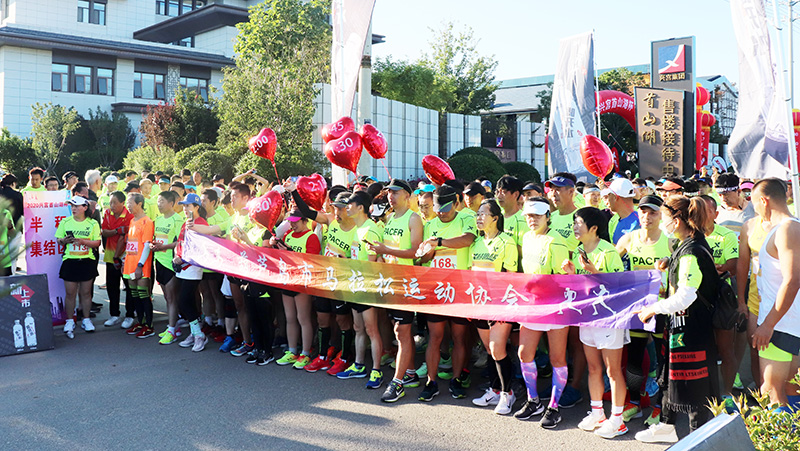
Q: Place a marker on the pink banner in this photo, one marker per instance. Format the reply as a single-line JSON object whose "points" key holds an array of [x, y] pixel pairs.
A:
{"points": [[43, 211], [604, 300]]}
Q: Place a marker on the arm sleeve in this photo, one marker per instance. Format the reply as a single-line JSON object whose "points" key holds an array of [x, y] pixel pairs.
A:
{"points": [[312, 245], [145, 253], [303, 206], [680, 300]]}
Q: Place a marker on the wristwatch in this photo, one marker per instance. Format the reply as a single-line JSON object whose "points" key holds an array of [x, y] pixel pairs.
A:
{"points": [[440, 241], [139, 265]]}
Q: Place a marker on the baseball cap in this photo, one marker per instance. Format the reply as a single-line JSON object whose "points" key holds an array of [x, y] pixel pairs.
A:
{"points": [[651, 202], [532, 186], [399, 184], [428, 188], [487, 184], [133, 184], [111, 179], [78, 200], [163, 180], [444, 198], [559, 182], [190, 198], [535, 207], [621, 187], [341, 199], [295, 215], [474, 188]]}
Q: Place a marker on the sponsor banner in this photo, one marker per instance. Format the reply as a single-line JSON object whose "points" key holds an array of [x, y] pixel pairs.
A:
{"points": [[602, 300], [25, 320]]}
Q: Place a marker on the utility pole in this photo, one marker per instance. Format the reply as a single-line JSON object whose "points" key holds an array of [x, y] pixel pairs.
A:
{"points": [[365, 99]]}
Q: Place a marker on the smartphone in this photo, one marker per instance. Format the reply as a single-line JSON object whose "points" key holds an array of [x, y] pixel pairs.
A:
{"points": [[254, 171], [583, 253], [70, 234]]}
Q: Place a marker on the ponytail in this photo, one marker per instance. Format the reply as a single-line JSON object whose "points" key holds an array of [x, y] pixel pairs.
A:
{"points": [[691, 211]]}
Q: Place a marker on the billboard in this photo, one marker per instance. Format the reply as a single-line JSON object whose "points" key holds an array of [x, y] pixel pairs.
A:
{"points": [[672, 64]]}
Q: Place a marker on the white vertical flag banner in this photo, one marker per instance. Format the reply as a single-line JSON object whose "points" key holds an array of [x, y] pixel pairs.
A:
{"points": [[572, 111], [759, 144], [350, 20]]}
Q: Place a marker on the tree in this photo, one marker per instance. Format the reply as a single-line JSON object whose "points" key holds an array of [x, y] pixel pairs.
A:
{"points": [[407, 82], [189, 120], [52, 125], [282, 53], [468, 167], [545, 97], [151, 159], [113, 137], [614, 130], [16, 155]]}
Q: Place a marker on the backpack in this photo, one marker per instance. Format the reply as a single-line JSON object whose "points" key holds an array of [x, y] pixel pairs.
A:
{"points": [[725, 313]]}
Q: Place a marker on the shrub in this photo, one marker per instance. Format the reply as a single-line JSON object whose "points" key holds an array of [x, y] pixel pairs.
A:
{"points": [[16, 156], [470, 167], [147, 158], [522, 171], [477, 151], [211, 162]]}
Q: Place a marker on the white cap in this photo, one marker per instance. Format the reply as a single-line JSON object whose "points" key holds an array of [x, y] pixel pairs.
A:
{"points": [[111, 179], [78, 200], [621, 187], [535, 208]]}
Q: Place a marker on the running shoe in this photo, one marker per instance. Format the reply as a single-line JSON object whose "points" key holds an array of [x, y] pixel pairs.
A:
{"points": [[445, 374], [490, 398], [375, 379], [737, 383], [252, 356], [242, 350], [410, 381], [228, 345], [551, 418], [651, 386], [531, 408], [654, 418], [570, 397], [658, 433], [301, 362], [133, 330], [87, 325], [446, 364], [200, 343], [318, 364], [188, 342], [505, 404], [592, 421], [288, 359], [265, 357], [422, 371], [630, 412], [420, 343], [482, 361], [126, 323], [146, 332], [69, 329], [465, 378], [113, 321], [456, 389], [730, 406], [167, 338], [393, 392], [429, 392], [353, 372], [339, 365], [387, 358], [610, 430]]}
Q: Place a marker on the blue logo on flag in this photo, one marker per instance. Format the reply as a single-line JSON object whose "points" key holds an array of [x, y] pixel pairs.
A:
{"points": [[672, 59]]}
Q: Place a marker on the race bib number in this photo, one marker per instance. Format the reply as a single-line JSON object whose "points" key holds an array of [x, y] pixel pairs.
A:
{"points": [[160, 239], [78, 249], [483, 266], [444, 261], [330, 253], [132, 247], [354, 252]]}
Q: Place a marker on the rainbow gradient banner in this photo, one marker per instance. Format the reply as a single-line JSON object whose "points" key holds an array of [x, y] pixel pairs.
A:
{"points": [[602, 300]]}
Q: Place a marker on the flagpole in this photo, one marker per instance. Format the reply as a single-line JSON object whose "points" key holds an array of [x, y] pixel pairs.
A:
{"points": [[789, 123], [596, 88]]}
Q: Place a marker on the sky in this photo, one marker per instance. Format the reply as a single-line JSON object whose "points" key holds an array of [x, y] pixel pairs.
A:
{"points": [[523, 36]]}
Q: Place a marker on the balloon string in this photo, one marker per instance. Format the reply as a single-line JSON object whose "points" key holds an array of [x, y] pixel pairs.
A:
{"points": [[387, 169], [276, 172]]}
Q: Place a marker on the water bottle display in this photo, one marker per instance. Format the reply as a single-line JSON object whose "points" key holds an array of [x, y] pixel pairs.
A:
{"points": [[19, 341], [30, 330]]}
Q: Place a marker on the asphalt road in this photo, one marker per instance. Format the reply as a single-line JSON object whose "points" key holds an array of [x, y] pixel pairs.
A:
{"points": [[109, 390]]}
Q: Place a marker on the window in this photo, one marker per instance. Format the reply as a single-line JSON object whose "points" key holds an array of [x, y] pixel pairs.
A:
{"points": [[92, 11], [198, 85], [81, 79], [148, 86], [60, 77], [175, 8], [4, 6], [185, 42]]}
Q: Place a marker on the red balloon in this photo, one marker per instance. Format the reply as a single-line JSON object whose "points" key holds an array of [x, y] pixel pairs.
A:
{"points": [[374, 141], [596, 156], [266, 209], [337, 129], [345, 152], [437, 170], [618, 103], [264, 144], [313, 190]]}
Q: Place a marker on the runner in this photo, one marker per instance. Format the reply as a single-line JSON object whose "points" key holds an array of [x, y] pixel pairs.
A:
{"points": [[166, 228], [602, 346], [240, 196], [190, 276], [211, 285], [139, 265], [78, 234], [114, 229]]}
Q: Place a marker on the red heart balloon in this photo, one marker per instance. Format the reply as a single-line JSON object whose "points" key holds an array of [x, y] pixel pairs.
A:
{"points": [[313, 190], [437, 170], [337, 129], [374, 141], [265, 209], [264, 144], [345, 152], [596, 156]]}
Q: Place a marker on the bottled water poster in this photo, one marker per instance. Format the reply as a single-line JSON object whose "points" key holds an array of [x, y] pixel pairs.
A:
{"points": [[25, 315]]}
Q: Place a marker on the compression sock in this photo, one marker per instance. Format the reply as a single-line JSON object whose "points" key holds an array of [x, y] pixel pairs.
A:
{"points": [[560, 374], [137, 302], [529, 374], [504, 371], [348, 345], [324, 337], [147, 302]]}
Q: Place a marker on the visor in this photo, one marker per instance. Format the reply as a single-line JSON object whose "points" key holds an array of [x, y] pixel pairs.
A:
{"points": [[535, 208], [443, 208]]}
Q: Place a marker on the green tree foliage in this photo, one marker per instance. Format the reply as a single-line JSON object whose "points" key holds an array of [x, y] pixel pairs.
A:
{"points": [[184, 123], [16, 155], [469, 167], [282, 52], [211, 162], [151, 159], [407, 82], [110, 138], [614, 130], [478, 151], [52, 125], [545, 97], [522, 171]]}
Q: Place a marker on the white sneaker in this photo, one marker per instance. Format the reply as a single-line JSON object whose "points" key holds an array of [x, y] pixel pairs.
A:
{"points": [[113, 321], [126, 323], [200, 342], [505, 403], [188, 343], [489, 398], [69, 329], [181, 323], [610, 430], [658, 433], [592, 421], [87, 325]]}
